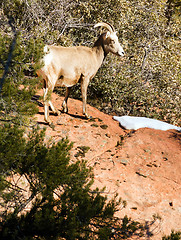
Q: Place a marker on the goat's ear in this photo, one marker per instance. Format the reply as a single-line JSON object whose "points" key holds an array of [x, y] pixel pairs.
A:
{"points": [[108, 34]]}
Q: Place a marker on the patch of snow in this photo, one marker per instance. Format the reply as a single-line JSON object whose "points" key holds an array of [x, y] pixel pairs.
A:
{"points": [[134, 123]]}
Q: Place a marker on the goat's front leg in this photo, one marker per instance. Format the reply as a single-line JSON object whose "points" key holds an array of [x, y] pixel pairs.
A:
{"points": [[84, 85], [53, 108], [64, 104], [47, 103]]}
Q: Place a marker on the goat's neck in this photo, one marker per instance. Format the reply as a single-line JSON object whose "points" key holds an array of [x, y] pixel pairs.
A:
{"points": [[99, 48]]}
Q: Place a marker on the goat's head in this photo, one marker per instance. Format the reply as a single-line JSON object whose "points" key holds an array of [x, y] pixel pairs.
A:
{"points": [[111, 42]]}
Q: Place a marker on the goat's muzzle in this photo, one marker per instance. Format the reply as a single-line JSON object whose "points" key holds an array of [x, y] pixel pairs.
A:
{"points": [[120, 53]]}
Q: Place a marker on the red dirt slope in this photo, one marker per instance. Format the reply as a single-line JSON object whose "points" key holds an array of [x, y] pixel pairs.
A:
{"points": [[143, 167]]}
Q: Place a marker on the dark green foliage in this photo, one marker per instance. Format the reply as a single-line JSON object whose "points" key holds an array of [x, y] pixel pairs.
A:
{"points": [[62, 203], [146, 82], [19, 85], [173, 236], [82, 150], [19, 58]]}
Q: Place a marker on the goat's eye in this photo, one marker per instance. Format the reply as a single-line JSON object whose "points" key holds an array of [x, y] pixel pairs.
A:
{"points": [[112, 41]]}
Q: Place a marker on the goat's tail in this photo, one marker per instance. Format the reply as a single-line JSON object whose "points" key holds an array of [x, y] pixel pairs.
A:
{"points": [[46, 49]]}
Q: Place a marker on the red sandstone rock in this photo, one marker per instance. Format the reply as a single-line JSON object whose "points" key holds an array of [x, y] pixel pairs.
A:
{"points": [[145, 169]]}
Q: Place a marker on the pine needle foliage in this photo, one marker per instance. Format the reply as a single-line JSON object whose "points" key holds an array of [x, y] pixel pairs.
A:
{"points": [[173, 236], [44, 196], [19, 58], [146, 82]]}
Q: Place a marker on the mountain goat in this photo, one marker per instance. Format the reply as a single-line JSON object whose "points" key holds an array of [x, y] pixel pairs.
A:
{"points": [[66, 66]]}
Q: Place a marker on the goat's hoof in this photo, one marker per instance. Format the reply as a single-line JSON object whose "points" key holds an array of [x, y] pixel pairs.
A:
{"points": [[52, 126], [65, 110], [87, 116], [58, 113], [48, 121]]}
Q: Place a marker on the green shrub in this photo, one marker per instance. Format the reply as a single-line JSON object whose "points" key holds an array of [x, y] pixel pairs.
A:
{"points": [[44, 196], [146, 82], [173, 236]]}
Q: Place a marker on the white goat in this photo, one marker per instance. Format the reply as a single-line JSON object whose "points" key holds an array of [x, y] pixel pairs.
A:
{"points": [[66, 66]]}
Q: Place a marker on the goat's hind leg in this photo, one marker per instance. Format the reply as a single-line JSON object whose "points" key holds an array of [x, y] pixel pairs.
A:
{"points": [[46, 105], [54, 109], [64, 104]]}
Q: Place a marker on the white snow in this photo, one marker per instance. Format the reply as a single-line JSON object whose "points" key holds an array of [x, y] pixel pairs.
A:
{"points": [[134, 123]]}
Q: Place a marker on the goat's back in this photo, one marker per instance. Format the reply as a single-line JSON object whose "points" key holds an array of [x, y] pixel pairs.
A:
{"points": [[79, 59]]}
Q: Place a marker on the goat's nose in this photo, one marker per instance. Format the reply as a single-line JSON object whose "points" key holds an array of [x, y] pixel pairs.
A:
{"points": [[121, 53]]}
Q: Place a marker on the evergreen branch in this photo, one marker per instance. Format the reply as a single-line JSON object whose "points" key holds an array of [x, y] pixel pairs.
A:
{"points": [[15, 186], [10, 55], [24, 204]]}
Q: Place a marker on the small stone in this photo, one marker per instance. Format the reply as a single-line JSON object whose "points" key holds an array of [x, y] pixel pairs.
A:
{"points": [[104, 126], [141, 175], [148, 165], [100, 120], [124, 161], [134, 208], [94, 125]]}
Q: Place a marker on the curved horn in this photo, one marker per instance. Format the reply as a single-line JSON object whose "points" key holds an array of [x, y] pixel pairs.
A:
{"points": [[106, 25]]}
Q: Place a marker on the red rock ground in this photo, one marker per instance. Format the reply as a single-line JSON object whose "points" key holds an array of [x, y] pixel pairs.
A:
{"points": [[143, 166]]}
